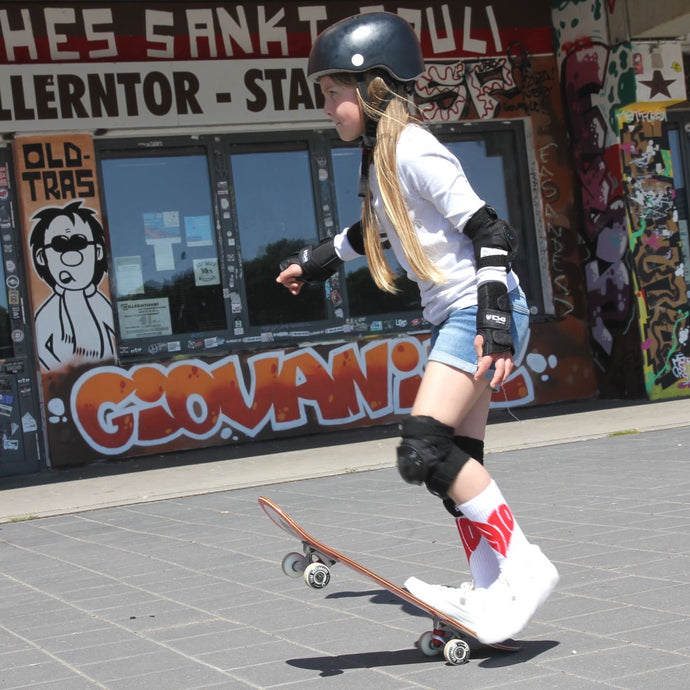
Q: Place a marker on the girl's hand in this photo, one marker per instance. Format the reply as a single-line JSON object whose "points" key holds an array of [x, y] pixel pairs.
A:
{"points": [[503, 362], [291, 278]]}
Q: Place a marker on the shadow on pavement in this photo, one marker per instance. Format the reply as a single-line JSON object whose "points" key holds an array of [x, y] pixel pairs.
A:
{"points": [[491, 658]]}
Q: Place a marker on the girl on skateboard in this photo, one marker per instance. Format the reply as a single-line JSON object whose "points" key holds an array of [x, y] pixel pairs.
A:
{"points": [[417, 198]]}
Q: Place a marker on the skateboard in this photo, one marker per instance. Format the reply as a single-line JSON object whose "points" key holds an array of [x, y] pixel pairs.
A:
{"points": [[315, 564]]}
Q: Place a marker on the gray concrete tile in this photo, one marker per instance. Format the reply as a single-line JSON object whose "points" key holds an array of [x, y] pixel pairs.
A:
{"points": [[671, 678], [33, 674], [616, 662]]}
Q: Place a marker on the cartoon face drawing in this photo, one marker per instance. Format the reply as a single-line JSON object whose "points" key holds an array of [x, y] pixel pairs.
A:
{"points": [[69, 254], [68, 247]]}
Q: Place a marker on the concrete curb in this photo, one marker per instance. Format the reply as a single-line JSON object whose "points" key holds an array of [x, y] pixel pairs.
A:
{"points": [[58, 495]]}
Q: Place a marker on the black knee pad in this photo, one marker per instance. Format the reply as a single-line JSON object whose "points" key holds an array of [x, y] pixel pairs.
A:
{"points": [[475, 448], [428, 454]]}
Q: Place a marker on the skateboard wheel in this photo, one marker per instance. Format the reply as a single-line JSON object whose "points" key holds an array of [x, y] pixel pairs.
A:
{"points": [[429, 643], [317, 575], [293, 564], [456, 652]]}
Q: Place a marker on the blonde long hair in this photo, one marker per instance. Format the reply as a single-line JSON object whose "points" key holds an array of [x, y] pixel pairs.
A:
{"points": [[391, 122]]}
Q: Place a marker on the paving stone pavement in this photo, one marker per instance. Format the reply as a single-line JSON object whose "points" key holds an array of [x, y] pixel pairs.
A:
{"points": [[188, 592]]}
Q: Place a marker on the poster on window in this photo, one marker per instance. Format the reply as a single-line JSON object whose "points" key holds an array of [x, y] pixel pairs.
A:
{"points": [[162, 226], [198, 231], [144, 318], [129, 275], [206, 272]]}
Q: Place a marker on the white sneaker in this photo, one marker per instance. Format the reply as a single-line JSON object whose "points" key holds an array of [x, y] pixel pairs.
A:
{"points": [[464, 603], [503, 609], [525, 583]]}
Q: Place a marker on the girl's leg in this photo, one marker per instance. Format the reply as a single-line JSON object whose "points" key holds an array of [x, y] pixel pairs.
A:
{"points": [[480, 556], [456, 400], [443, 392]]}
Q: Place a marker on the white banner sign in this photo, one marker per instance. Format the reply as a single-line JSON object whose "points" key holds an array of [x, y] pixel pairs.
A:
{"points": [[163, 94]]}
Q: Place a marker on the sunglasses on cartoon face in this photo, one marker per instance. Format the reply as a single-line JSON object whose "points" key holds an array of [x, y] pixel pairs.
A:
{"points": [[62, 243]]}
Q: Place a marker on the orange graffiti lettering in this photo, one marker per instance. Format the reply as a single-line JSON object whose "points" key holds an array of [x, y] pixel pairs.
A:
{"points": [[152, 404]]}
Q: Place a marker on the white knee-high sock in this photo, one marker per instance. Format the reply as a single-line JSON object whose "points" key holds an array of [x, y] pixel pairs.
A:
{"points": [[490, 521], [480, 556]]}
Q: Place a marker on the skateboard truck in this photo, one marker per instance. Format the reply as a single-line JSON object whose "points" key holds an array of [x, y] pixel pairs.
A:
{"points": [[313, 565], [444, 639]]}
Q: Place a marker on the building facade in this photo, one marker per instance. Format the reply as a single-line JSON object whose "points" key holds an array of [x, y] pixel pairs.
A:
{"points": [[161, 158]]}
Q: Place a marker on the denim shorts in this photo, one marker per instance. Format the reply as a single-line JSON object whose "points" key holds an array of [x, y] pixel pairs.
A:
{"points": [[452, 342]]}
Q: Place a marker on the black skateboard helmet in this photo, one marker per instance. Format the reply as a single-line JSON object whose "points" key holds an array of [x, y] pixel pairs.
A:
{"points": [[380, 40]]}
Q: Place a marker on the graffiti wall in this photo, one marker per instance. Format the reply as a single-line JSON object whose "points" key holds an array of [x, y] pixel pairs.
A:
{"points": [[484, 62], [156, 407], [73, 319], [655, 245], [596, 80]]}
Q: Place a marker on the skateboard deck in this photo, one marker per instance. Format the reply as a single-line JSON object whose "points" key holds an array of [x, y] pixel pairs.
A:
{"points": [[314, 565]]}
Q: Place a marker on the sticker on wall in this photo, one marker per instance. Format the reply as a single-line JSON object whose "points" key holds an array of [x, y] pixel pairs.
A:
{"points": [[57, 190], [28, 423], [69, 254], [659, 71]]}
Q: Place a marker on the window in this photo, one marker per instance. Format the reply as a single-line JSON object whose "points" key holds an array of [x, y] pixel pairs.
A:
{"points": [[492, 155], [276, 217], [165, 273], [198, 227]]}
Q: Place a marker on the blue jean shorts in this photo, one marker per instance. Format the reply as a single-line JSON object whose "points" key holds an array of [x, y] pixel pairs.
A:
{"points": [[452, 342]]}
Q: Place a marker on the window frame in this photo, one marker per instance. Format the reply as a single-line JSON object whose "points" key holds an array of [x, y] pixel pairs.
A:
{"points": [[133, 349], [276, 142]]}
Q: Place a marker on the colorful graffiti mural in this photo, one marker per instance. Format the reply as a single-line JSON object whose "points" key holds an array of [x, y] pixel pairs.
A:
{"points": [[64, 236], [114, 411], [634, 269], [596, 80], [661, 291]]}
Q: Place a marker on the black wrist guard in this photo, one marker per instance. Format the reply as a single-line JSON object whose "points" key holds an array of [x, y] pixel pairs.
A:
{"points": [[318, 262], [494, 318]]}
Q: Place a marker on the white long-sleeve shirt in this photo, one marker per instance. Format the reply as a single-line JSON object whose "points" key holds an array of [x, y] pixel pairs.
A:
{"points": [[440, 201]]}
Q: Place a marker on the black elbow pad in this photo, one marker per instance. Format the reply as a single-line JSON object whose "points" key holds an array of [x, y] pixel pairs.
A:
{"points": [[494, 241]]}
